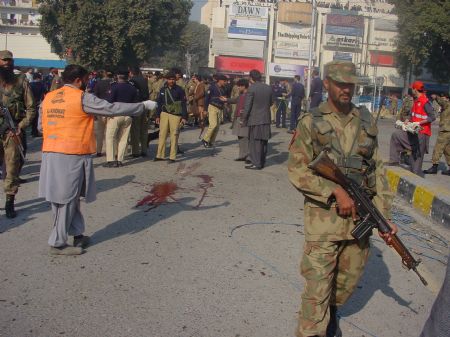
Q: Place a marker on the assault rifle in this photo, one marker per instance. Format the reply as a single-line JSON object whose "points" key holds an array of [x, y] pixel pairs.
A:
{"points": [[12, 128], [370, 216]]}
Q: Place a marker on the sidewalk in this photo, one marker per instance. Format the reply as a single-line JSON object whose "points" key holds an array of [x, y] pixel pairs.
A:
{"points": [[429, 195]]}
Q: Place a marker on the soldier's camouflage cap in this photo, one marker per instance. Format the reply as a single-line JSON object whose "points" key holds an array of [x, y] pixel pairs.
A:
{"points": [[5, 54], [341, 71]]}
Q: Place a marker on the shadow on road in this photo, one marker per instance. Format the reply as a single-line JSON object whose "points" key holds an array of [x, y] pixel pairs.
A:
{"points": [[142, 220], [112, 183], [376, 277]]}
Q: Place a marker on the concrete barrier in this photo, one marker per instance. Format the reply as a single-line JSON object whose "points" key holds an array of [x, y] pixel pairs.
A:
{"points": [[429, 199]]}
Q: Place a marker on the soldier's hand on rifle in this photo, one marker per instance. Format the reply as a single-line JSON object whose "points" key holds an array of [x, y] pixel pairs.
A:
{"points": [[345, 205], [387, 237]]}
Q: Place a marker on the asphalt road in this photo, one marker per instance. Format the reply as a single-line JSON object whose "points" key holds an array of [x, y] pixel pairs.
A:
{"points": [[213, 252]]}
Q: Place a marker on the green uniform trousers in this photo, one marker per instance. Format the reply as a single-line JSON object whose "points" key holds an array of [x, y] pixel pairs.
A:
{"points": [[442, 147], [139, 134], [12, 160], [332, 271], [215, 118], [168, 124]]}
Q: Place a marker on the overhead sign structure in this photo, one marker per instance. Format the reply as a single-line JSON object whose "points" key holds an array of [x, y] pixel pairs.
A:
{"points": [[292, 53], [247, 29], [340, 30], [286, 70], [249, 11]]}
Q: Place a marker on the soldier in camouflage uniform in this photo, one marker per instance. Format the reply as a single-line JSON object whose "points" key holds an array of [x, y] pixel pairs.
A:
{"points": [[156, 87], [16, 95], [443, 140], [407, 104], [333, 260]]}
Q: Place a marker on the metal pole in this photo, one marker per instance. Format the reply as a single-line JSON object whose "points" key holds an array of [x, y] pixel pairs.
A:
{"points": [[270, 42], [310, 57]]}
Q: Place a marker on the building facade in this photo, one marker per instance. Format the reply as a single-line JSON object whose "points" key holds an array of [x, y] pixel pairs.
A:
{"points": [[19, 33], [275, 36]]}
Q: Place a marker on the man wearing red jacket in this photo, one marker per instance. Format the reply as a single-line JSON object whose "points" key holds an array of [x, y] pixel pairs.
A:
{"points": [[422, 113]]}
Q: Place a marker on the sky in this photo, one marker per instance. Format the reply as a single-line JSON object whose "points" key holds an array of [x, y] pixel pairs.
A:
{"points": [[195, 11]]}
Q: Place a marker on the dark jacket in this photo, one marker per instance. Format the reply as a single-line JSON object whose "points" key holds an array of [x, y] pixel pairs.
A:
{"points": [[212, 96], [257, 104], [297, 93], [123, 92], [39, 90], [142, 85], [177, 94], [103, 88]]}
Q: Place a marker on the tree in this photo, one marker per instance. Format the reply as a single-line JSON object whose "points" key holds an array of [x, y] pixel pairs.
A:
{"points": [[424, 37], [194, 40], [112, 33]]}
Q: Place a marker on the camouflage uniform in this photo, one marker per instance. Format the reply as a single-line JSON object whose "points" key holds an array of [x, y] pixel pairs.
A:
{"points": [[18, 98], [155, 89], [333, 261], [405, 110], [443, 140]]}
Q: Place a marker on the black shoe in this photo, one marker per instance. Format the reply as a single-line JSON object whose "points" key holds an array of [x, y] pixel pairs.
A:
{"points": [[21, 181], [333, 329], [446, 173], [253, 167], [99, 154], [240, 159], [9, 207], [110, 164], [171, 161], [432, 170], [158, 159], [135, 155], [205, 143], [143, 154], [81, 241], [248, 161], [119, 164], [180, 151]]}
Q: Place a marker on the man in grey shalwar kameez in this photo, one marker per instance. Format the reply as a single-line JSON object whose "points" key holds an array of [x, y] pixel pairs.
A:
{"points": [[64, 178]]}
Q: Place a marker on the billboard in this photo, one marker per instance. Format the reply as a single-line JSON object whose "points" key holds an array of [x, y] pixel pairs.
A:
{"points": [[386, 25], [247, 29], [286, 70], [293, 32], [349, 31], [382, 59], [222, 45], [249, 11], [295, 12], [385, 40], [292, 53], [355, 21], [340, 41], [238, 64]]}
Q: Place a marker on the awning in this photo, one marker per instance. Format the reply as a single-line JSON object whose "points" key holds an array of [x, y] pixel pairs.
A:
{"points": [[37, 63]]}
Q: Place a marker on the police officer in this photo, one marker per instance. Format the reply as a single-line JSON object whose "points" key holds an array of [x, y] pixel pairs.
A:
{"points": [[16, 95], [443, 140], [214, 105], [170, 115], [333, 261]]}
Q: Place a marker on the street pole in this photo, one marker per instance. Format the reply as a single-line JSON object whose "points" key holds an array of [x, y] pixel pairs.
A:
{"points": [[270, 42], [310, 57], [375, 71]]}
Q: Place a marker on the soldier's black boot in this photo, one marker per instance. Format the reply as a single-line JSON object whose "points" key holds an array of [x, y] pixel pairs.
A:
{"points": [[432, 170], [9, 207], [333, 329]]}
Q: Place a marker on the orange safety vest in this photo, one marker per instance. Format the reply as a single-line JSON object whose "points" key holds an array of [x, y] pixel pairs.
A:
{"points": [[418, 114], [66, 127]]}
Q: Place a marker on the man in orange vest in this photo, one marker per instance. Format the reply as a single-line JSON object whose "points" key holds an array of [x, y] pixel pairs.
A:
{"points": [[422, 113], [67, 172]]}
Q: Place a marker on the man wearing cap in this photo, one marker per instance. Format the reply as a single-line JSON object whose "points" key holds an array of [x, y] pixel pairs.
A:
{"points": [[422, 113], [170, 115], [214, 105], [16, 95], [333, 261]]}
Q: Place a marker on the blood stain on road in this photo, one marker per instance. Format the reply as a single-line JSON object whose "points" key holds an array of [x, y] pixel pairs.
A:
{"points": [[159, 194]]}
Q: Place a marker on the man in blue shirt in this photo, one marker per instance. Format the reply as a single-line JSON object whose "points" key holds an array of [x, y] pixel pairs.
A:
{"points": [[279, 94], [170, 115], [214, 106], [316, 90]]}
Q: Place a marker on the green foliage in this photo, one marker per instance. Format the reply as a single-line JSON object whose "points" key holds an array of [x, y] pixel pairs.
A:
{"points": [[195, 41], [112, 33], [424, 37]]}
